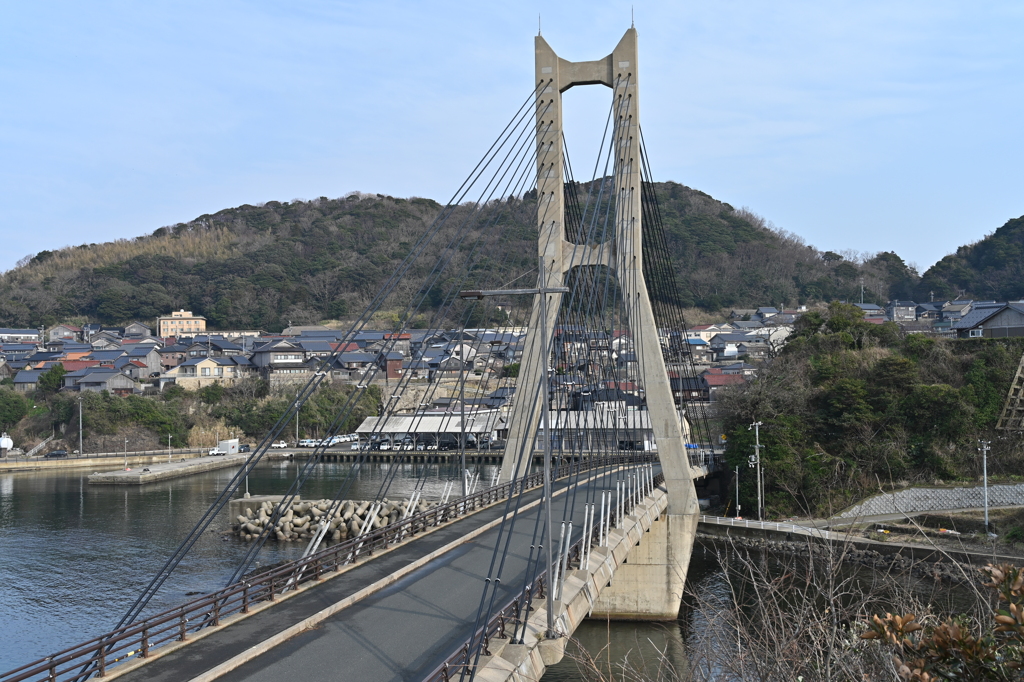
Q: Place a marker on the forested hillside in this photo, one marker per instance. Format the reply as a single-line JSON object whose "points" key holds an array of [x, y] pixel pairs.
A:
{"points": [[303, 261], [991, 269]]}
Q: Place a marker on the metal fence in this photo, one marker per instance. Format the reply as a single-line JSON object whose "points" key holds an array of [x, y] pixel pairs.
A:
{"points": [[176, 625]]}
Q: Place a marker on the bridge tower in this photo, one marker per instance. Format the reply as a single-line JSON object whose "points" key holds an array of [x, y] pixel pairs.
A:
{"points": [[650, 584]]}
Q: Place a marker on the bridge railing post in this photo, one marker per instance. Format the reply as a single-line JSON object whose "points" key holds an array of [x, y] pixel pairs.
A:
{"points": [[182, 626], [144, 644]]}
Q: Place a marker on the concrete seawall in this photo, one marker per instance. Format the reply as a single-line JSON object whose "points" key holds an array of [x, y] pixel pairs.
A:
{"points": [[163, 472], [93, 462]]}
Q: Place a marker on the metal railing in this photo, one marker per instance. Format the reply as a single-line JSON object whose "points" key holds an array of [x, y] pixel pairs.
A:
{"points": [[516, 612], [139, 639]]}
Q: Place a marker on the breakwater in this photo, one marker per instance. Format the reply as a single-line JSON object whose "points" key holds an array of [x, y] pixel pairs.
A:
{"points": [[300, 520], [165, 471]]}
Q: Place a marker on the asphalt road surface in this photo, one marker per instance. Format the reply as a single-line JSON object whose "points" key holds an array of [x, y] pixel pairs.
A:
{"points": [[402, 632]]}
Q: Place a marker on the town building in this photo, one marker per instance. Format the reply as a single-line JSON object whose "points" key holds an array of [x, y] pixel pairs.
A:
{"points": [[180, 323]]}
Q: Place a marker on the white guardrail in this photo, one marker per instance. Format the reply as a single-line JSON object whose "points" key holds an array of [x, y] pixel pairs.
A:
{"points": [[774, 526]]}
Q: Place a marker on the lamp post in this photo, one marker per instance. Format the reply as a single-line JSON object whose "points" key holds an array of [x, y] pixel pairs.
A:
{"points": [[545, 418], [755, 461], [126, 454], [984, 474], [168, 448]]}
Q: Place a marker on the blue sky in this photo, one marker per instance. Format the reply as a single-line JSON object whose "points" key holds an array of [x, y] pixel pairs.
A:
{"points": [[864, 125]]}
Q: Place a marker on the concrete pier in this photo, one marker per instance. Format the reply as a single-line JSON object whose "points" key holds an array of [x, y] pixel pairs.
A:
{"points": [[162, 472]]}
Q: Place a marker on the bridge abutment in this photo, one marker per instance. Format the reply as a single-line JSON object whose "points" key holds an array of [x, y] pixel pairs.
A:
{"points": [[649, 584]]}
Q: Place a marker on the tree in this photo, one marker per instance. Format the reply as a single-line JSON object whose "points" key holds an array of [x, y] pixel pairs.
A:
{"points": [[13, 408], [50, 381]]}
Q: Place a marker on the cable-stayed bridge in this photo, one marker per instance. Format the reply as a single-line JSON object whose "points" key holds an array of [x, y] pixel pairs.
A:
{"points": [[489, 583]]}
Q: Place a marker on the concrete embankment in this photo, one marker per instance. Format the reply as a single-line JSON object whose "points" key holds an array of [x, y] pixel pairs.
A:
{"points": [[165, 471], [301, 519], [14, 464]]}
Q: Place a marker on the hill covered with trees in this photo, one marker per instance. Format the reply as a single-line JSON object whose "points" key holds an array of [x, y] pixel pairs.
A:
{"points": [[298, 262], [991, 269], [849, 407]]}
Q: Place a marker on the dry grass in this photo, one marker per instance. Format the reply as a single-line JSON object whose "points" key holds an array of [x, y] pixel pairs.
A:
{"points": [[209, 244]]}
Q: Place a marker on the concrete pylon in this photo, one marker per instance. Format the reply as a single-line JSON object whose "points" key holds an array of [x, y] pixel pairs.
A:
{"points": [[649, 585]]}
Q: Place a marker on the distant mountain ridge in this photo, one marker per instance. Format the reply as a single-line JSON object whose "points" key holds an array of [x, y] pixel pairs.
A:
{"points": [[297, 262]]}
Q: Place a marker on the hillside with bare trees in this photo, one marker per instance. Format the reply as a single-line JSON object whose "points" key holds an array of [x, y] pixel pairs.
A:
{"points": [[297, 262]]}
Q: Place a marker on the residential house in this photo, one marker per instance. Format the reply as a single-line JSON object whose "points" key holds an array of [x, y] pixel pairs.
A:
{"points": [[733, 346], [700, 351], [902, 311], [172, 356], [954, 311], [929, 311], [764, 314], [27, 380], [148, 356], [180, 323], [741, 368], [717, 380], [196, 373], [992, 321], [391, 363], [137, 330], [687, 389], [871, 311], [65, 332], [742, 313], [19, 335], [105, 340], [212, 346], [105, 379]]}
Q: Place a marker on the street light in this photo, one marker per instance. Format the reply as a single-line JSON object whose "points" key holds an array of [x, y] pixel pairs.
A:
{"points": [[755, 461], [126, 454], [543, 291]]}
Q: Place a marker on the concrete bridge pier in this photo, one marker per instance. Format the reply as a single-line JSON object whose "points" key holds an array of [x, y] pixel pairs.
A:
{"points": [[648, 584]]}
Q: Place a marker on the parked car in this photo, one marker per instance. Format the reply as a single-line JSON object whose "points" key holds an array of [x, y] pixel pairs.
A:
{"points": [[307, 443], [279, 445], [56, 454], [245, 447], [214, 452]]}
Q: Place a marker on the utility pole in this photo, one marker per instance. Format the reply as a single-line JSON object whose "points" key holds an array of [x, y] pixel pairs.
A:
{"points": [[168, 448], [984, 474], [80, 450], [737, 492], [126, 454], [755, 461]]}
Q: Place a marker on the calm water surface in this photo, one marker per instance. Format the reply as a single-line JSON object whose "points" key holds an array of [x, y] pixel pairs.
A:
{"points": [[74, 557]]}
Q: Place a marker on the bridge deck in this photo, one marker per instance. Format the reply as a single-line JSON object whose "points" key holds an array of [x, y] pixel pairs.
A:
{"points": [[402, 632]]}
